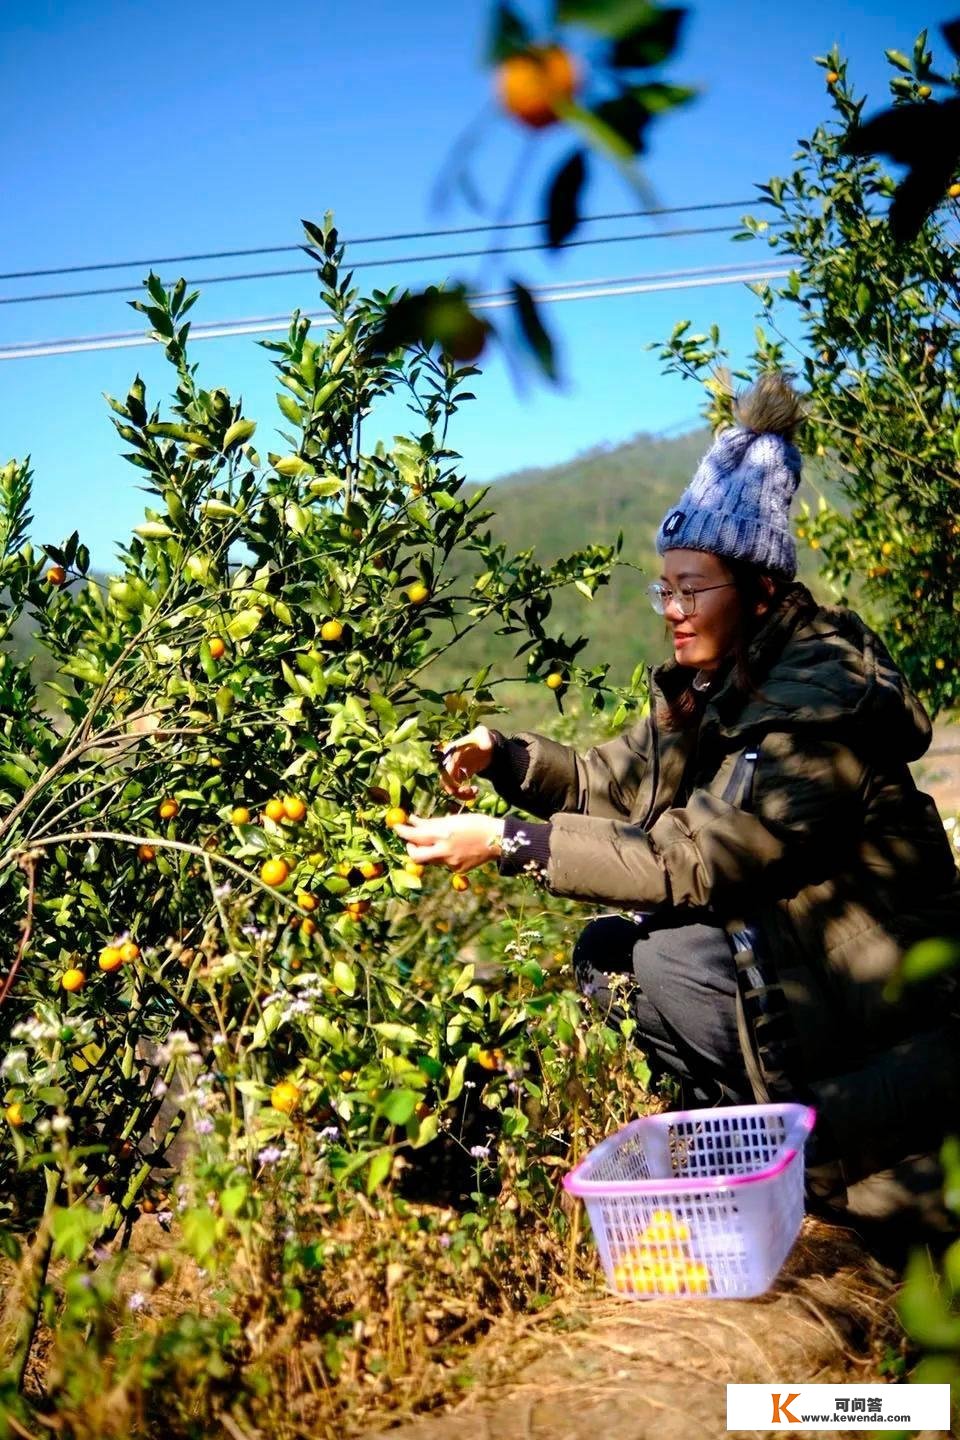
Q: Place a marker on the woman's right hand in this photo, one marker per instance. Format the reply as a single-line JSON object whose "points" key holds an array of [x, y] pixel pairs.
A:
{"points": [[465, 757]]}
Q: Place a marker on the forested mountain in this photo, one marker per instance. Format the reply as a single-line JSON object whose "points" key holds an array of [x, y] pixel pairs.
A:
{"points": [[554, 511]]}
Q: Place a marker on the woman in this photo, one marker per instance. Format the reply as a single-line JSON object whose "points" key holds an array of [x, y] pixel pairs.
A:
{"points": [[762, 820]]}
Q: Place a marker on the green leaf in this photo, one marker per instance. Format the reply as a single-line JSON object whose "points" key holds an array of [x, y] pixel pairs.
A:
{"points": [[14, 775], [83, 670], [298, 519], [533, 329], [321, 489], [464, 980], [217, 509], [563, 200], [153, 530], [399, 1105], [238, 432], [292, 466], [344, 975], [290, 409], [928, 958], [233, 1198], [326, 392], [73, 1228], [155, 287], [242, 626], [596, 131], [224, 701], [897, 57], [381, 707], [610, 17], [508, 35], [9, 1245], [379, 1170], [455, 1087], [657, 97], [199, 1230], [649, 43], [923, 1307]]}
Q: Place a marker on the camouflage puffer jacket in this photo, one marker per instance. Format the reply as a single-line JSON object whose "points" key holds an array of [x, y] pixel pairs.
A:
{"points": [[788, 816]]}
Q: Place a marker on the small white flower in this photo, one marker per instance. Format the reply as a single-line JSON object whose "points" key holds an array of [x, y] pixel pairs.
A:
{"points": [[159, 1089], [480, 1152], [178, 1046], [60, 1124], [137, 1301]]}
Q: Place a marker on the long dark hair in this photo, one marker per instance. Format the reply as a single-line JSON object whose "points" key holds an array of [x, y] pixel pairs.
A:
{"points": [[754, 586]]}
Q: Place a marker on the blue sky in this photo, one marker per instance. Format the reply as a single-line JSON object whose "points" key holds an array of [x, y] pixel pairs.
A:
{"points": [[133, 130]]}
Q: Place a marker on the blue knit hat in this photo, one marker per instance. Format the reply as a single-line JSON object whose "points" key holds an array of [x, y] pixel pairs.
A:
{"points": [[738, 503]]}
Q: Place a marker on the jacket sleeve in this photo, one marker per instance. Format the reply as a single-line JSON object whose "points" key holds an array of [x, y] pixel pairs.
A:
{"points": [[545, 778], [711, 853]]}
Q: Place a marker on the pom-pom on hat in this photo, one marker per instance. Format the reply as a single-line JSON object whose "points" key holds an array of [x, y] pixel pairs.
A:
{"points": [[738, 503]]}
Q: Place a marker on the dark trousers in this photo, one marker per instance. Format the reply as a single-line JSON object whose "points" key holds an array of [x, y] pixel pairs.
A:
{"points": [[680, 986]]}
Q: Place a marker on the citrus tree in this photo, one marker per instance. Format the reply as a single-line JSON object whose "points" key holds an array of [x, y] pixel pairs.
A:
{"points": [[197, 854], [873, 328]]}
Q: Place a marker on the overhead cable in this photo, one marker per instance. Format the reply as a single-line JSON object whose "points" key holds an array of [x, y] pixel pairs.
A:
{"points": [[559, 295], [366, 264], [368, 240]]}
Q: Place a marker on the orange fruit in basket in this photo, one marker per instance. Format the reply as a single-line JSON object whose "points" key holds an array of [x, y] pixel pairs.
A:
{"points": [[696, 1278], [667, 1231], [629, 1275]]}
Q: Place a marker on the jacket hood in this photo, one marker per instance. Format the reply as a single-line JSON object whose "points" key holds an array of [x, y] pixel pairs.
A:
{"points": [[820, 667]]}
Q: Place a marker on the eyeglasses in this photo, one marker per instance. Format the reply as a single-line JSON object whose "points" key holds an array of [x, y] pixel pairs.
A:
{"points": [[686, 597]]}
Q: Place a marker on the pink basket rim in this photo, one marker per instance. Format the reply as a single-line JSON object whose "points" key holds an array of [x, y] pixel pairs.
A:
{"points": [[801, 1120]]}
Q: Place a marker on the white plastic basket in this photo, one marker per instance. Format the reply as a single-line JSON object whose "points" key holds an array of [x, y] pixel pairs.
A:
{"points": [[697, 1203]]}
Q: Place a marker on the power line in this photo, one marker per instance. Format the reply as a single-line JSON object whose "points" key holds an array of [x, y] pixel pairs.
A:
{"points": [[387, 260], [368, 240], [502, 300], [547, 286]]}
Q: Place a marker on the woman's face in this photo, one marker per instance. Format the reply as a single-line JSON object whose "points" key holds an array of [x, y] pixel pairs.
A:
{"points": [[704, 639]]}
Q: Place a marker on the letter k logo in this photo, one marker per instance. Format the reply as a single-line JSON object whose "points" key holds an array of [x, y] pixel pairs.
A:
{"points": [[780, 1410]]}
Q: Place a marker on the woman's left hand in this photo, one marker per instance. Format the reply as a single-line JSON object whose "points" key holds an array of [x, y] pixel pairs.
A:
{"points": [[461, 842]]}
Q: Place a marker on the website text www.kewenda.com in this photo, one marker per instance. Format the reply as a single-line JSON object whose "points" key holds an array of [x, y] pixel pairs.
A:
{"points": [[851, 1419]]}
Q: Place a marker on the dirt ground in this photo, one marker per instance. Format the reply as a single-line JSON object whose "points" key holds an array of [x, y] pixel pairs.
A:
{"points": [[938, 773], [658, 1370]]}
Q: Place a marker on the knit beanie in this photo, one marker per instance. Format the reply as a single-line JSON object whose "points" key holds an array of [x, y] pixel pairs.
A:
{"points": [[738, 503]]}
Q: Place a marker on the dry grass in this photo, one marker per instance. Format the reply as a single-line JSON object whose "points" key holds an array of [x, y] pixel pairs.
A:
{"points": [[593, 1365]]}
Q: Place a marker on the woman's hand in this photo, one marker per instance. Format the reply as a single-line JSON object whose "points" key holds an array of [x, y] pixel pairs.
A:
{"points": [[463, 758], [461, 842]]}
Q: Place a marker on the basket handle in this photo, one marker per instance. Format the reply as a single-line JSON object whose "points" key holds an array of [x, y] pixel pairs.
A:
{"points": [[799, 1130]]}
